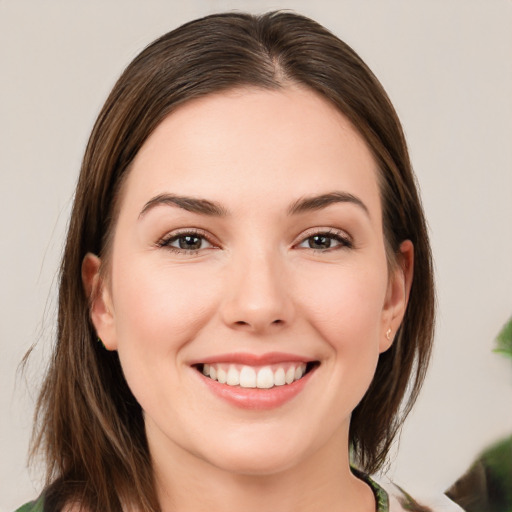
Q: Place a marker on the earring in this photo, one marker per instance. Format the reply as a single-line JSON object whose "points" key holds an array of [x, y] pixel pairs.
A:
{"points": [[102, 344], [388, 334]]}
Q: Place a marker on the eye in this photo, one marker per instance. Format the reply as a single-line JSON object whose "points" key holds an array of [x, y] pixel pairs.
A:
{"points": [[187, 242], [326, 240]]}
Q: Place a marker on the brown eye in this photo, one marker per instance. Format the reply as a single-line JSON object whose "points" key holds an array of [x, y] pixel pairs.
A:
{"points": [[185, 242], [319, 242], [325, 241], [189, 242]]}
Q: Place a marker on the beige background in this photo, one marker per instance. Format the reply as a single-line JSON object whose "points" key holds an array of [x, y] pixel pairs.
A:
{"points": [[447, 66]]}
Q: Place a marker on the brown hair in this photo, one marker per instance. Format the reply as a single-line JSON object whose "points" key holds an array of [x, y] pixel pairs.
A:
{"points": [[89, 426]]}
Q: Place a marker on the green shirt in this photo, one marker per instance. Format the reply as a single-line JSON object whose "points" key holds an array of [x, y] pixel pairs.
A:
{"points": [[400, 501], [33, 506]]}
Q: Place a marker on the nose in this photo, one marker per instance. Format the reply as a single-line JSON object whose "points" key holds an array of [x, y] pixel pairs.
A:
{"points": [[258, 297]]}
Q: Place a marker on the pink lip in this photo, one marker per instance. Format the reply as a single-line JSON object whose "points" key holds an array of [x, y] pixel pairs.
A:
{"points": [[254, 398], [253, 359]]}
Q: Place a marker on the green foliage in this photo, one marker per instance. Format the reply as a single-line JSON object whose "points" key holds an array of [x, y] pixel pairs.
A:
{"points": [[504, 340]]}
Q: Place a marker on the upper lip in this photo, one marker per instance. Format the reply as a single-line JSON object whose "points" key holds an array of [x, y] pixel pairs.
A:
{"points": [[253, 359]]}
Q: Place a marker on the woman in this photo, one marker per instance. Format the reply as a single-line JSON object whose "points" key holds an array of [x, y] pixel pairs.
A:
{"points": [[246, 291]]}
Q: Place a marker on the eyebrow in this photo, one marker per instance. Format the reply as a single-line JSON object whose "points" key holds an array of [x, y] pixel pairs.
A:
{"points": [[306, 204], [214, 209], [191, 204]]}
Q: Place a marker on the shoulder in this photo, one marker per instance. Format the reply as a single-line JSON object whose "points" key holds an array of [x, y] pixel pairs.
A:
{"points": [[38, 506], [33, 506], [400, 500]]}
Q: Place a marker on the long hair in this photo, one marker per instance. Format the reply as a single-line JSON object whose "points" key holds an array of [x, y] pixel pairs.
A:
{"points": [[89, 426]]}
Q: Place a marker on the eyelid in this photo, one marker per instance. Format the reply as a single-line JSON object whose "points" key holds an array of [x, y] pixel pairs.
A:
{"points": [[171, 235], [346, 241]]}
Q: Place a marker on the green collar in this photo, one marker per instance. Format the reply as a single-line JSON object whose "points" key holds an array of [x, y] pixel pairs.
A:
{"points": [[381, 496]]}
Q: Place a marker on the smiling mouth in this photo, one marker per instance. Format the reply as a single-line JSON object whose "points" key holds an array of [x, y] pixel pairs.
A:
{"points": [[261, 377]]}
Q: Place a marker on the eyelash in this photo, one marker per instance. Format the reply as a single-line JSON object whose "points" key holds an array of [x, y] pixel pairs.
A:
{"points": [[166, 241], [344, 241]]}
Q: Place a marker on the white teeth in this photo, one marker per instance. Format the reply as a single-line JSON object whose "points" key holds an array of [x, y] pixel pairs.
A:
{"points": [[279, 377], [221, 376], [247, 377], [233, 378], [265, 377]]}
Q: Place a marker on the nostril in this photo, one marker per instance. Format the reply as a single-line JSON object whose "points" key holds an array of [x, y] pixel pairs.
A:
{"points": [[243, 323]]}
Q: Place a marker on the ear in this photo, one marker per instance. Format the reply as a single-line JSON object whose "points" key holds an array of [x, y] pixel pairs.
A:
{"points": [[397, 296], [100, 301]]}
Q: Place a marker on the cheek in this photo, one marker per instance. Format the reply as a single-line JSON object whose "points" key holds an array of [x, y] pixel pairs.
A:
{"points": [[158, 310], [161, 301], [344, 308], [346, 305]]}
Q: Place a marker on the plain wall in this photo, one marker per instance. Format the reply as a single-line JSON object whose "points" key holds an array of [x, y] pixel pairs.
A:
{"points": [[447, 66]]}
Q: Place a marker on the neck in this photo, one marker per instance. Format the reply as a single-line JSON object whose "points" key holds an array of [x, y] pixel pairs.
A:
{"points": [[323, 481]]}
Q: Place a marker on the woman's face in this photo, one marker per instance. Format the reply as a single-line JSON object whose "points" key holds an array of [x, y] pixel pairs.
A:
{"points": [[249, 248]]}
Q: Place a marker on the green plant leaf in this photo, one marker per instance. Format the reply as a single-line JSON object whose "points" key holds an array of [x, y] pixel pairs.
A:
{"points": [[504, 340]]}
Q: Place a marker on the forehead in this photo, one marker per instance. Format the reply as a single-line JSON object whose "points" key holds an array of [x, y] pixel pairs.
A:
{"points": [[252, 144]]}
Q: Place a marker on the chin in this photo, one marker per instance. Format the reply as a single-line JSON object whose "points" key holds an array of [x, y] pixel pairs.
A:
{"points": [[258, 455], [258, 465]]}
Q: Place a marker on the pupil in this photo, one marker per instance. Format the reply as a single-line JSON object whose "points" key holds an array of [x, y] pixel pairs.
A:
{"points": [[320, 242], [189, 242]]}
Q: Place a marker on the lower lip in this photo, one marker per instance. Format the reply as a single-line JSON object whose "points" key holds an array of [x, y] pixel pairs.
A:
{"points": [[255, 398]]}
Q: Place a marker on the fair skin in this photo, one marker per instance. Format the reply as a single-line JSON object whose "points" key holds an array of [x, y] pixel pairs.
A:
{"points": [[258, 278]]}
